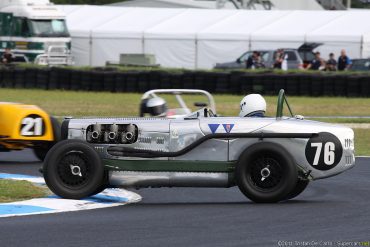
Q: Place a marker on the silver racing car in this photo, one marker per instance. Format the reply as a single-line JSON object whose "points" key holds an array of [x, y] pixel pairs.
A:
{"points": [[270, 159]]}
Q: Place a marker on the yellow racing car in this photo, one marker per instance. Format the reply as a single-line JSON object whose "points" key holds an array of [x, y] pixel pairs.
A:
{"points": [[27, 126]]}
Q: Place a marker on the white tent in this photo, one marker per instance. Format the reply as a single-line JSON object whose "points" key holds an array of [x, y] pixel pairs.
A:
{"points": [[227, 39], [124, 34], [174, 42], [198, 38], [349, 31], [290, 30], [81, 23]]}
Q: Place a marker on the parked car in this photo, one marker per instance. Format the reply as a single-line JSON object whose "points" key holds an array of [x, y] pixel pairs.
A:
{"points": [[270, 159], [296, 58], [360, 64]]}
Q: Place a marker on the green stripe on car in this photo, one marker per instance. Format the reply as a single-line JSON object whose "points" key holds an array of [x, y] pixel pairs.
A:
{"points": [[169, 165]]}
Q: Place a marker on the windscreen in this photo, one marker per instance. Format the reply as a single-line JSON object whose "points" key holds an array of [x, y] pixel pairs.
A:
{"points": [[49, 28]]}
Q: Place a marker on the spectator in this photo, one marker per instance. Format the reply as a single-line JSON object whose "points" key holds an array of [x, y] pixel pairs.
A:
{"points": [[254, 61], [250, 61], [258, 62], [331, 64], [344, 62], [7, 57], [317, 63], [279, 58]]}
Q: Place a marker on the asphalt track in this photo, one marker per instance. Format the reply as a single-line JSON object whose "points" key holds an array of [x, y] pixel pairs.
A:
{"points": [[335, 209]]}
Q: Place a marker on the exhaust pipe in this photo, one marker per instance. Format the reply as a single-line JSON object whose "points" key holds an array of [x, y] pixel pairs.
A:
{"points": [[130, 133], [111, 136], [96, 133], [128, 136]]}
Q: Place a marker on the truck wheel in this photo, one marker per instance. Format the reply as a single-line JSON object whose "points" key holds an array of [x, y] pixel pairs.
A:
{"points": [[298, 189], [73, 169], [40, 150], [266, 173]]}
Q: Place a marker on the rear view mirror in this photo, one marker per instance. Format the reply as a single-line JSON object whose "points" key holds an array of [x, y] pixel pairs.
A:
{"points": [[238, 60]]}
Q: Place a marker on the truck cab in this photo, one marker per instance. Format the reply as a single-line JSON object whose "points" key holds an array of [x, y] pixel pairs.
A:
{"points": [[35, 29]]}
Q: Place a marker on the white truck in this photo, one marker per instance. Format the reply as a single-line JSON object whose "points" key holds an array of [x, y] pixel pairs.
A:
{"points": [[35, 30]]}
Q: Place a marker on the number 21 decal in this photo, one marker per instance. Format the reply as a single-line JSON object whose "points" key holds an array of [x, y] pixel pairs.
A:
{"points": [[32, 125], [324, 151]]}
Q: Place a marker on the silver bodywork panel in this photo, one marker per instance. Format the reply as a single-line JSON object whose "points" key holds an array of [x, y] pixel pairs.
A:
{"points": [[167, 135]]}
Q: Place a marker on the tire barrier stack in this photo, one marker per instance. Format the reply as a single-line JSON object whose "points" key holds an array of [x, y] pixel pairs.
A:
{"points": [[232, 82]]}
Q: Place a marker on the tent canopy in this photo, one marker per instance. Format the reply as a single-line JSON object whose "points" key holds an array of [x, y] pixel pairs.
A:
{"points": [[133, 23], [294, 26], [349, 27], [83, 21], [240, 25], [199, 38], [187, 24]]}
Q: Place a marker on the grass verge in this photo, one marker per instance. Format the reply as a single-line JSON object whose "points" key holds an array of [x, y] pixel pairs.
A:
{"points": [[69, 103], [16, 190], [362, 142]]}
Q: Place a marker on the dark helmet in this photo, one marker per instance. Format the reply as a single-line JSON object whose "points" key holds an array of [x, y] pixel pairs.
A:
{"points": [[156, 107]]}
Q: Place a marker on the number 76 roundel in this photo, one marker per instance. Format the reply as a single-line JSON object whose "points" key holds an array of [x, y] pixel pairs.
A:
{"points": [[32, 125], [324, 151]]}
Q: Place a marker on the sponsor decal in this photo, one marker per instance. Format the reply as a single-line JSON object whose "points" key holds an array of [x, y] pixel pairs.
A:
{"points": [[228, 127], [213, 127]]}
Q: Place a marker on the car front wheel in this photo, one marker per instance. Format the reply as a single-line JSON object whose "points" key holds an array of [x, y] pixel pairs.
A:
{"points": [[298, 189], [266, 173]]}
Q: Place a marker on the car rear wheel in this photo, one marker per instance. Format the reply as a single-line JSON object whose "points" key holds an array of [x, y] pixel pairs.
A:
{"points": [[73, 170], [298, 189], [266, 173]]}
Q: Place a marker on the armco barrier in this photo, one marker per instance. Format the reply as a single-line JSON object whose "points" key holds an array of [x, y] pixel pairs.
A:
{"points": [[234, 82]]}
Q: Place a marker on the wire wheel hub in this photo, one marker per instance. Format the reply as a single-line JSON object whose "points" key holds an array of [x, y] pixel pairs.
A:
{"points": [[73, 170], [266, 173]]}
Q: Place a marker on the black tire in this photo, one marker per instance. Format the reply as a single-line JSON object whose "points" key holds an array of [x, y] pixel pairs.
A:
{"points": [[41, 149], [58, 174], [104, 184], [298, 189], [281, 168]]}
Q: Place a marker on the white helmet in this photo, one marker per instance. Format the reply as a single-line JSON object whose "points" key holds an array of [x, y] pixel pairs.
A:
{"points": [[252, 104]]}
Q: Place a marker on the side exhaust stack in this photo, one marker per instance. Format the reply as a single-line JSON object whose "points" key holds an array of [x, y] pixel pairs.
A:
{"points": [[112, 133]]}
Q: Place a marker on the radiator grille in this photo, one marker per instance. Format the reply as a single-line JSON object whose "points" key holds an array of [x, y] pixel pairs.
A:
{"points": [[348, 143], [349, 159]]}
